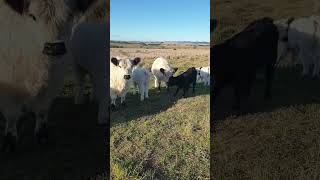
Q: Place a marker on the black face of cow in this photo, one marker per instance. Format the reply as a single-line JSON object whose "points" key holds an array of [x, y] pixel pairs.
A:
{"points": [[54, 49]]}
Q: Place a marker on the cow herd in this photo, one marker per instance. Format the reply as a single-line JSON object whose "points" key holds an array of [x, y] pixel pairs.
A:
{"points": [[125, 72], [263, 44]]}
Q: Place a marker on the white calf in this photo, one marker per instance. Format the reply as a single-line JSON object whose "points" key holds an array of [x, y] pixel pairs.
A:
{"points": [[90, 48], [162, 71], [140, 78], [203, 75], [120, 77], [302, 40]]}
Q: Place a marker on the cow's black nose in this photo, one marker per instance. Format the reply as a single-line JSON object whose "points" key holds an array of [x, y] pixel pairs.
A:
{"points": [[127, 77], [54, 49]]}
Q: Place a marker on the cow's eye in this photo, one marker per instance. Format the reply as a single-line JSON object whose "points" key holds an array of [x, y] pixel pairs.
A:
{"points": [[33, 17]]}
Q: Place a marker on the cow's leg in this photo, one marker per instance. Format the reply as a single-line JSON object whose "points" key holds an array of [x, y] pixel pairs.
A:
{"points": [[315, 73], [269, 76], [136, 90], [123, 98], [113, 102], [100, 80], [194, 87], [157, 83], [41, 128], [79, 84], [237, 95], [186, 89], [184, 92], [142, 91], [305, 65], [166, 84], [175, 94], [11, 133], [147, 88]]}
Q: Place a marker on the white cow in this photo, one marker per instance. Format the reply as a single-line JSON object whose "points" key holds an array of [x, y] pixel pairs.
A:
{"points": [[203, 75], [31, 76], [140, 78], [120, 78], [301, 38], [162, 71]]}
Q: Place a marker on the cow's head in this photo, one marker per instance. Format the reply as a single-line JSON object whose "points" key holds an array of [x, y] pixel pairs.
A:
{"points": [[50, 20], [125, 66], [167, 73]]}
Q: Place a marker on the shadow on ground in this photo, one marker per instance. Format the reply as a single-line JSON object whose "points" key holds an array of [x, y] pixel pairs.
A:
{"points": [[76, 148], [289, 88], [157, 102]]}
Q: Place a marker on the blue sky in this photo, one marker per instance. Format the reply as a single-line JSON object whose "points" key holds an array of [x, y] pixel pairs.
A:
{"points": [[160, 20]]}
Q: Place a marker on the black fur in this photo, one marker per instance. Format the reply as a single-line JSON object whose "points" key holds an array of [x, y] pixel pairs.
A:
{"points": [[184, 80]]}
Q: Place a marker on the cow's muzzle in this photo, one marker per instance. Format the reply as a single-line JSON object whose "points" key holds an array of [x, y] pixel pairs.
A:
{"points": [[54, 48], [127, 77]]}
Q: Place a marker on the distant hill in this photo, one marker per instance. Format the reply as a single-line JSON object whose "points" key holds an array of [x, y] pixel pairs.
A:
{"points": [[199, 43]]}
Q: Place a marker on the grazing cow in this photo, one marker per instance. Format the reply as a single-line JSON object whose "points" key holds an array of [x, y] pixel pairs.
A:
{"points": [[184, 80], [203, 75], [120, 78], [89, 46], [162, 71], [237, 59], [32, 59], [301, 38], [140, 78]]}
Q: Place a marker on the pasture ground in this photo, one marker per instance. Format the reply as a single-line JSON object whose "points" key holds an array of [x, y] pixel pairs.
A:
{"points": [[162, 137], [278, 139]]}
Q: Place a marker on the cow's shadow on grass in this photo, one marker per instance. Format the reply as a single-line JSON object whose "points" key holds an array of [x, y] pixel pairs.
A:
{"points": [[289, 88], [156, 103], [76, 148]]}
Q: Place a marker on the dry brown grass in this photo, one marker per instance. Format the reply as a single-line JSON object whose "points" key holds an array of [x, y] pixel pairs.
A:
{"points": [[182, 56]]}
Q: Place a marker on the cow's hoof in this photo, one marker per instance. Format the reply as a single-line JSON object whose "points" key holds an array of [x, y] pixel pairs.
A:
{"points": [[42, 135], [9, 143]]}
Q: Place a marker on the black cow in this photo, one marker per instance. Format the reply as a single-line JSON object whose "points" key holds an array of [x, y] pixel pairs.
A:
{"points": [[237, 59], [184, 80]]}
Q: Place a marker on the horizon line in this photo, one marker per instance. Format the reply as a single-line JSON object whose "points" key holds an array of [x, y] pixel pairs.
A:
{"points": [[159, 41]]}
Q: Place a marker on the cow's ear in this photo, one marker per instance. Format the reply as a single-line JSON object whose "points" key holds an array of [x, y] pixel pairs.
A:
{"points": [[162, 70], [115, 61], [16, 5], [83, 5], [136, 61], [175, 70]]}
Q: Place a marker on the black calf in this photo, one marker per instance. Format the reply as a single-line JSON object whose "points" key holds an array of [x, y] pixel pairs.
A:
{"points": [[184, 80], [236, 60]]}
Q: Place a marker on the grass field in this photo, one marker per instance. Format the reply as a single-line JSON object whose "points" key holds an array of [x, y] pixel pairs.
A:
{"points": [[163, 137], [278, 139]]}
